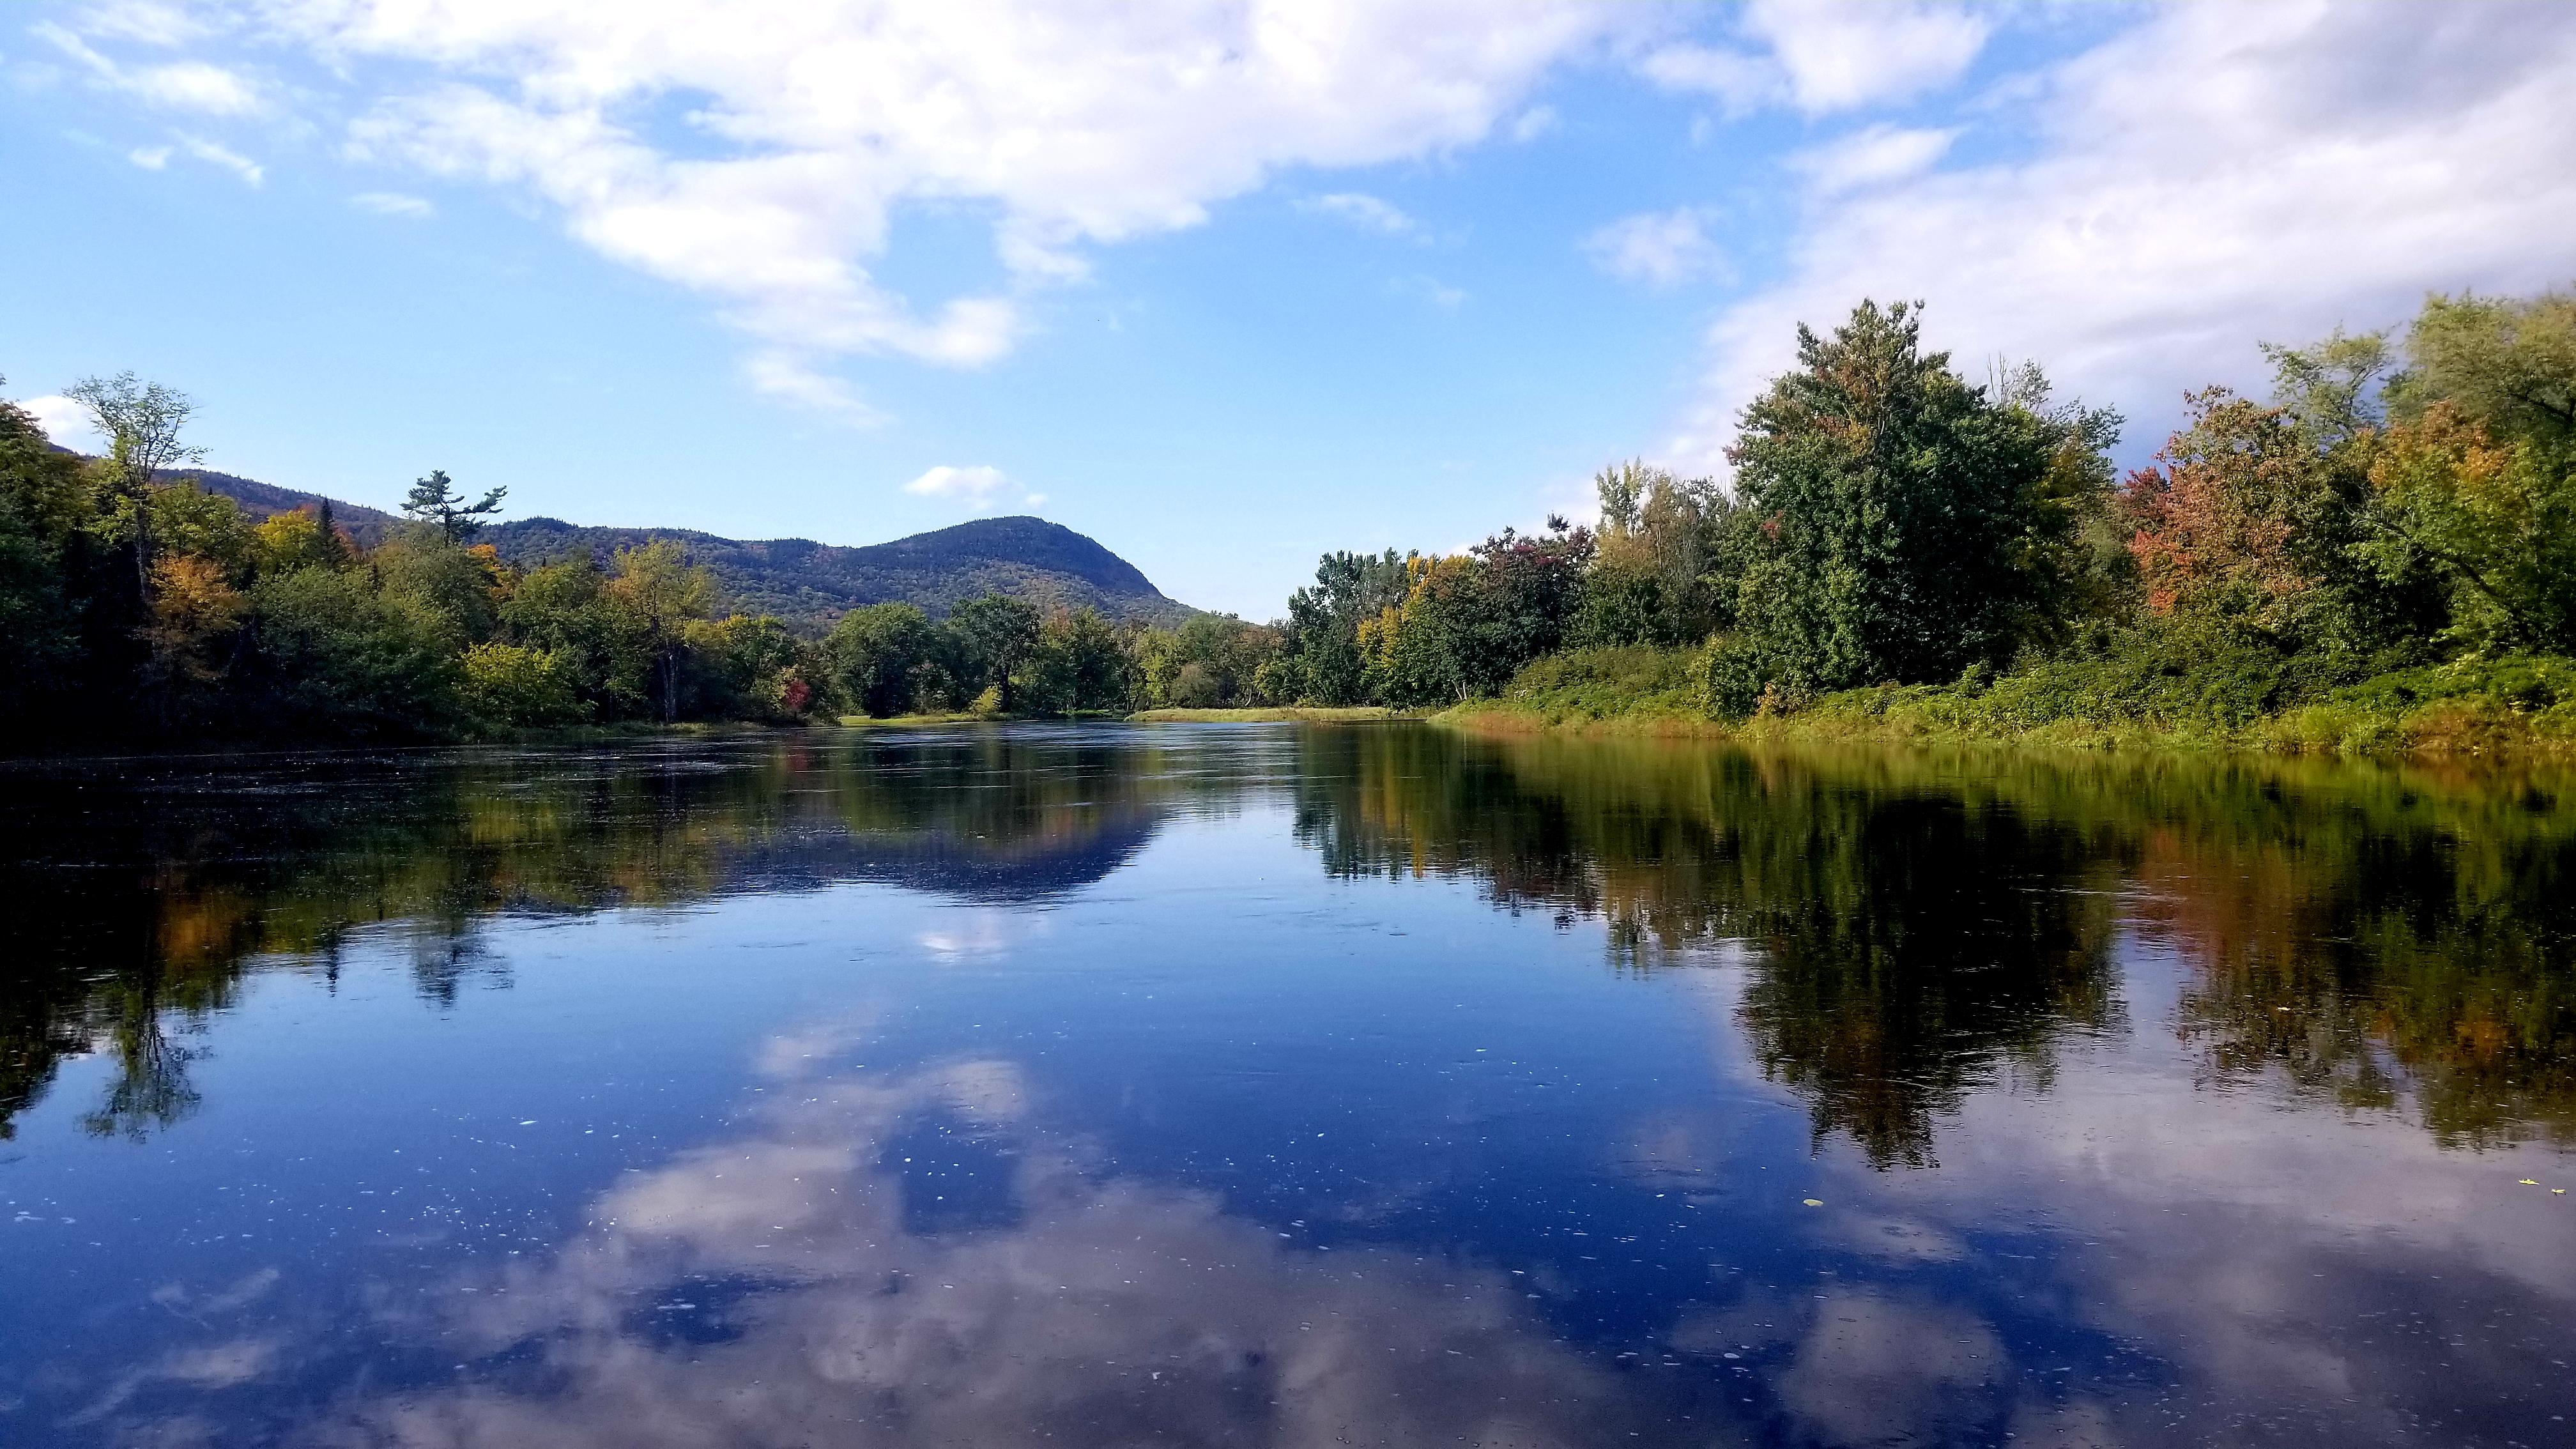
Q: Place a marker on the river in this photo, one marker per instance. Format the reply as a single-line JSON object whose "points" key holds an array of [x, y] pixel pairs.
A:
{"points": [[1290, 1085]]}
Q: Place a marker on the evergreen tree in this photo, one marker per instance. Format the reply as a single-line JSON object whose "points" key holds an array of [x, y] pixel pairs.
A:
{"points": [[434, 500]]}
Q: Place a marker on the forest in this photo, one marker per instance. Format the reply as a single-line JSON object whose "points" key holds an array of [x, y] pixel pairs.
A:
{"points": [[136, 607], [2393, 528]]}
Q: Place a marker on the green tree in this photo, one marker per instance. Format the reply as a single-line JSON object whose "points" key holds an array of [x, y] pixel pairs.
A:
{"points": [[45, 501], [997, 633], [1649, 582], [345, 659], [1094, 659], [744, 667], [435, 501], [458, 585], [512, 686], [658, 591], [564, 609], [2507, 365], [142, 423], [1470, 621], [876, 656], [1895, 522], [1319, 659]]}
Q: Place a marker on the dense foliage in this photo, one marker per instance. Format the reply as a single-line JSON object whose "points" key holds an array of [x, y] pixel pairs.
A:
{"points": [[2398, 506], [2398, 520], [142, 609], [137, 606]]}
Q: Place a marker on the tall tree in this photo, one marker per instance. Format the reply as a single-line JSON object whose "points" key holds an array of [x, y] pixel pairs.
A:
{"points": [[142, 422], [875, 655], [1895, 521], [661, 592], [434, 500], [999, 632]]}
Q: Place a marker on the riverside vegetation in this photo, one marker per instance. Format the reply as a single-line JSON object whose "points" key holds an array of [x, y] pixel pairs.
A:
{"points": [[2380, 558], [137, 607]]}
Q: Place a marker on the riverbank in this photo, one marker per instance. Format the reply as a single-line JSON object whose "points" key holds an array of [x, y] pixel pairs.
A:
{"points": [[2518, 706], [1262, 714]]}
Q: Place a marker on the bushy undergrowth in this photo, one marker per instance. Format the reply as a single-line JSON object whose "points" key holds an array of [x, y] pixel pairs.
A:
{"points": [[2138, 696], [2522, 703], [1623, 684]]}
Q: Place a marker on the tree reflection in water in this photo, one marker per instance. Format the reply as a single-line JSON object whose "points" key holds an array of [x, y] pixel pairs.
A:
{"points": [[1914, 925], [1923, 923]]}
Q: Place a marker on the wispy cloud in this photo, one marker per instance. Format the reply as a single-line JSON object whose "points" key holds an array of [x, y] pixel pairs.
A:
{"points": [[1870, 157], [187, 85], [1658, 248], [1364, 211], [213, 154], [392, 203], [790, 379]]}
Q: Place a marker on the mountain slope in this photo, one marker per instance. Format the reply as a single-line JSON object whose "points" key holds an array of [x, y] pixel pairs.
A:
{"points": [[807, 583]]}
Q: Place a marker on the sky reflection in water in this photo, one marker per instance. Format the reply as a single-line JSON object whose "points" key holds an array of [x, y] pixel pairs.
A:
{"points": [[1269, 1085]]}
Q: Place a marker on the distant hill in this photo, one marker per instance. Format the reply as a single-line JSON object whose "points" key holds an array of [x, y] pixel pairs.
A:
{"points": [[804, 582]]}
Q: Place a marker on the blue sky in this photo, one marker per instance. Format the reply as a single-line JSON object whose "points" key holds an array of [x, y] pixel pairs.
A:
{"points": [[1222, 285]]}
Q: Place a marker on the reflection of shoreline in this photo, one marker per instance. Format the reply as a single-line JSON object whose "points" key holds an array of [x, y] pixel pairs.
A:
{"points": [[169, 880], [2387, 939]]}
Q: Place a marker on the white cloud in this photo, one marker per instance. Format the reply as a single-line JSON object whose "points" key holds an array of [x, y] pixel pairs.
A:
{"points": [[151, 22], [212, 154], [1839, 54], [1533, 123], [150, 158], [65, 422], [1658, 248], [2212, 176], [392, 203], [1740, 81], [1870, 157], [195, 86], [189, 85], [1363, 211], [1828, 55], [780, 375], [980, 488], [809, 125], [1430, 289], [1220, 1326]]}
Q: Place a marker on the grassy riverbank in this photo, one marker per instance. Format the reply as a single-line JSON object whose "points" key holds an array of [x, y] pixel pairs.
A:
{"points": [[1267, 713], [2520, 705]]}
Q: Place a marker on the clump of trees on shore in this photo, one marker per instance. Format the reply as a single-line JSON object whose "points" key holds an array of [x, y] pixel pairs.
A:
{"points": [[137, 607], [2397, 503]]}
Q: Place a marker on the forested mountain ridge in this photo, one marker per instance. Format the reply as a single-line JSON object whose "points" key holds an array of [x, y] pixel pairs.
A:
{"points": [[804, 583]]}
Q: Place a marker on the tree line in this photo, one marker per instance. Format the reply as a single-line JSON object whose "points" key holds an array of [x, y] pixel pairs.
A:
{"points": [[2401, 499], [136, 606]]}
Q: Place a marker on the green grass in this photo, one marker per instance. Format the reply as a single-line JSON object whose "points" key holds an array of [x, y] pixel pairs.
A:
{"points": [[2519, 705], [870, 721], [1635, 689], [1264, 713]]}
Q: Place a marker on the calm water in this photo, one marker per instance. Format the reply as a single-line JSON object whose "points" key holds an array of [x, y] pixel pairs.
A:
{"points": [[1275, 1085]]}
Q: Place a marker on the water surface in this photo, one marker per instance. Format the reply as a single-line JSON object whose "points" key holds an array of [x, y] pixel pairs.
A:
{"points": [[1282, 1085]]}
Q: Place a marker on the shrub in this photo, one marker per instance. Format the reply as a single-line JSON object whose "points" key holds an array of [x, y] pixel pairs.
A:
{"points": [[507, 685]]}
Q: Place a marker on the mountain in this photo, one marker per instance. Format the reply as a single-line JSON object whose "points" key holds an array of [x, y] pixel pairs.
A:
{"points": [[803, 582]]}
